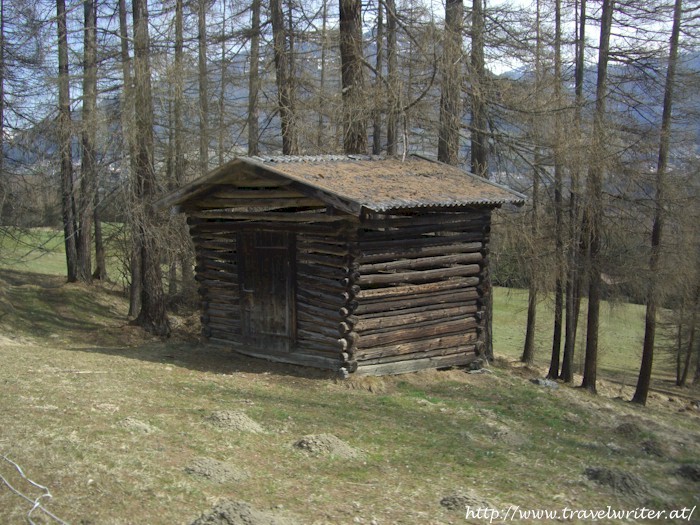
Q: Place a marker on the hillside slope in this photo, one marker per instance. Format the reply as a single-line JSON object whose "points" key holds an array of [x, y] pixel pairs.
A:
{"points": [[125, 428]]}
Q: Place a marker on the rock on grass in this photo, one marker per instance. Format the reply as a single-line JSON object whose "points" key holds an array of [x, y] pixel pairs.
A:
{"points": [[239, 513], [215, 471], [327, 445], [690, 472], [459, 501], [620, 481], [234, 420]]}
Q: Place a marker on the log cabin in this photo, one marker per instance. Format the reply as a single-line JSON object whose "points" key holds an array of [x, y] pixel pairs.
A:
{"points": [[361, 265]]}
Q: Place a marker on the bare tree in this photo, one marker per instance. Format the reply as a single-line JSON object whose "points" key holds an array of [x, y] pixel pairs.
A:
{"points": [[644, 380], [152, 317], [594, 209], [88, 164], [254, 79], [64, 127]]}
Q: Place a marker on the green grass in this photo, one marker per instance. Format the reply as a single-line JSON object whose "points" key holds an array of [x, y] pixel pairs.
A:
{"points": [[620, 337]]}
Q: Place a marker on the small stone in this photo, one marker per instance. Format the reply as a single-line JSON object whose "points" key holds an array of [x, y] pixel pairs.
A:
{"points": [[546, 383]]}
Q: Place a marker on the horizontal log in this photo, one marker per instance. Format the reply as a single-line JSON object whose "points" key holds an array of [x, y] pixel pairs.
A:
{"points": [[381, 246], [337, 249], [447, 248], [342, 263], [203, 227], [314, 271], [413, 365], [403, 222], [448, 350], [317, 333], [318, 311], [264, 216], [379, 308], [411, 290], [213, 203], [419, 276], [205, 263], [229, 245], [316, 297], [410, 232], [421, 263], [235, 192], [417, 315], [419, 332], [332, 286], [221, 255], [215, 275], [412, 347], [207, 283]]}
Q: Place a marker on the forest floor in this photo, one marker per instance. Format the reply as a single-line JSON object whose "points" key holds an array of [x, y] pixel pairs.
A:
{"points": [[123, 428]]}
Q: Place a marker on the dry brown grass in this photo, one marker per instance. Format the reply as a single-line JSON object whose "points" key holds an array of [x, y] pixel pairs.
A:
{"points": [[110, 420]]}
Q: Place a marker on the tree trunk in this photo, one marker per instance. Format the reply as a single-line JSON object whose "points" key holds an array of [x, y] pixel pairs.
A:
{"points": [[595, 204], [644, 380], [529, 347], [128, 127], [558, 201], [394, 90], [352, 77], [64, 131], [203, 87], [378, 65], [479, 146], [683, 379], [576, 251], [285, 91], [254, 79], [152, 317], [88, 165], [451, 89]]}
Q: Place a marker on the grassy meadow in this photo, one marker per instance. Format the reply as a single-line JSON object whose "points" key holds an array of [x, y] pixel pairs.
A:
{"points": [[116, 424]]}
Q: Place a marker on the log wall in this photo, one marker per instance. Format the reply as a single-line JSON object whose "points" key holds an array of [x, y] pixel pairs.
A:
{"points": [[381, 294], [419, 292]]}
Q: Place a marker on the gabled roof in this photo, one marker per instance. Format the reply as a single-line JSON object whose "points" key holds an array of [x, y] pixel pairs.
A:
{"points": [[373, 183]]}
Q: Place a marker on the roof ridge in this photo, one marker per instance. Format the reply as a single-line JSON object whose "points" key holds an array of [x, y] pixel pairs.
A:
{"points": [[284, 159]]}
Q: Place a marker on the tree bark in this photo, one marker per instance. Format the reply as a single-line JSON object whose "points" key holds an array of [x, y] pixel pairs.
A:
{"points": [[152, 316], [378, 66], [479, 146], [529, 347], [394, 90], [558, 201], [64, 131], [576, 251], [451, 90], [203, 87], [352, 77], [644, 380], [285, 90], [88, 165], [595, 204], [254, 79]]}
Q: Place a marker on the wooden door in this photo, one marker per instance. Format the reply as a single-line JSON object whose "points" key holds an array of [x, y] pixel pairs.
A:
{"points": [[266, 277]]}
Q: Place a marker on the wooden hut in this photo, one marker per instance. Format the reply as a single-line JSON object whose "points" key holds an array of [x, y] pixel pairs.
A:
{"points": [[358, 264]]}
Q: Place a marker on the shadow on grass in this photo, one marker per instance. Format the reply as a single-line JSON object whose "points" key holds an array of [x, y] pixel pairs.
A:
{"points": [[207, 358]]}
